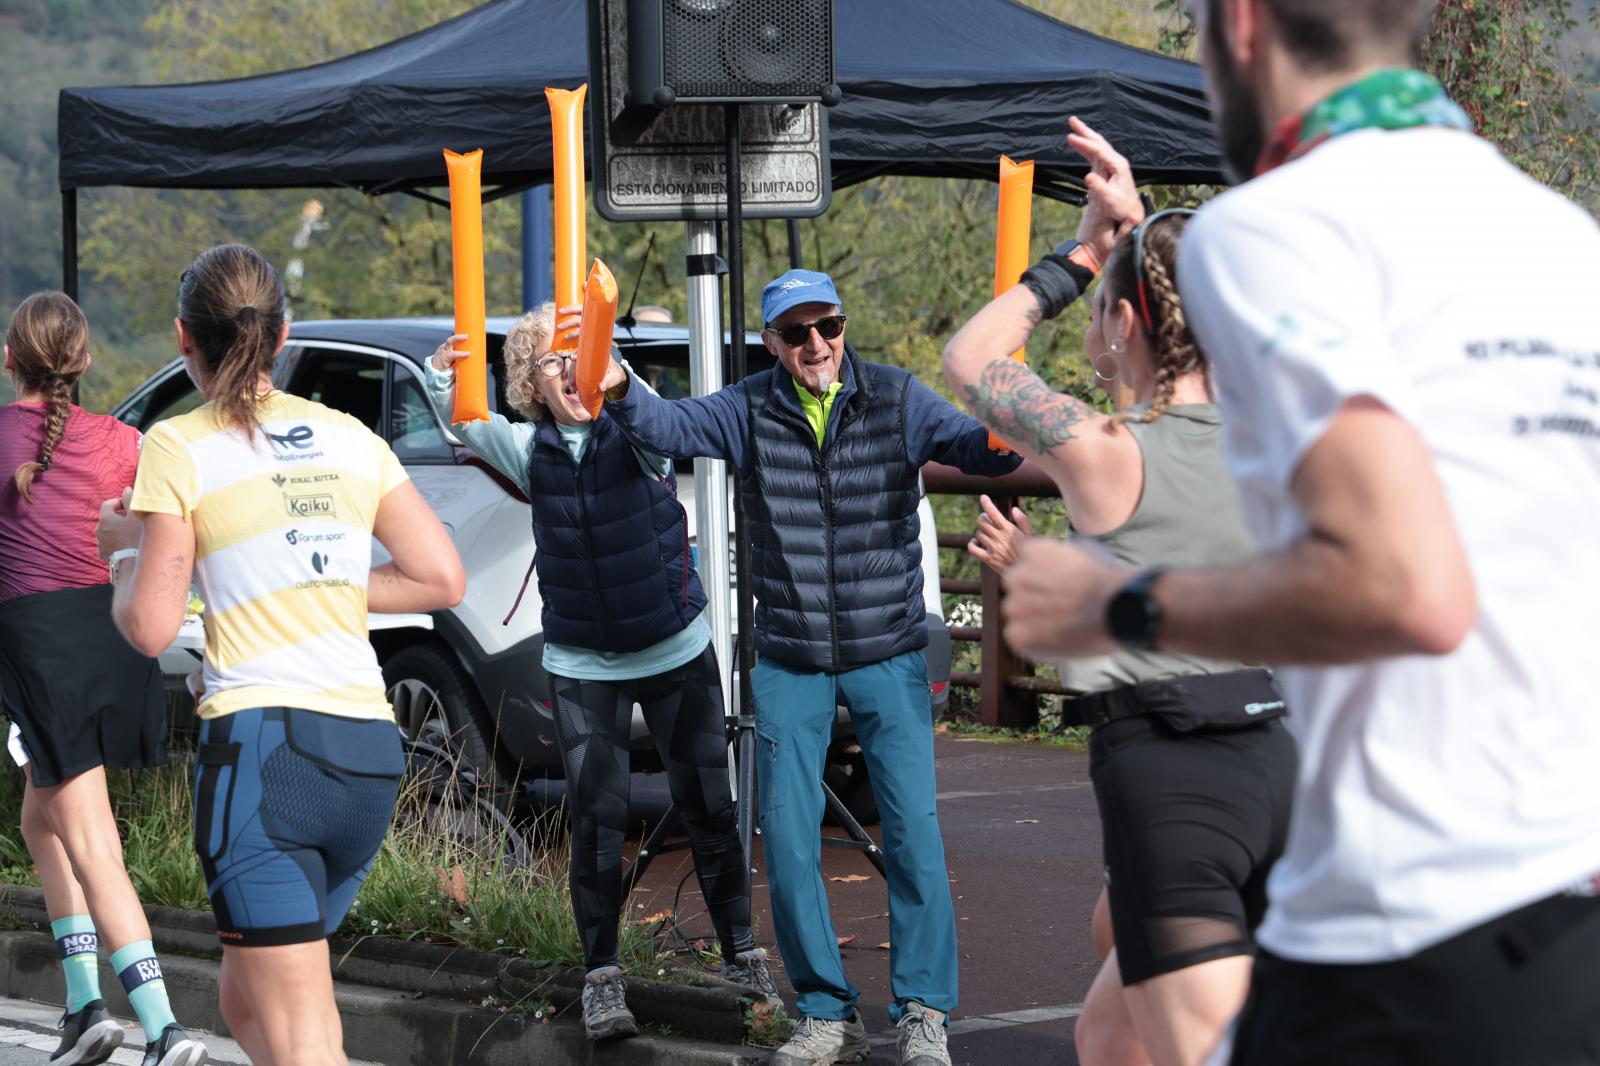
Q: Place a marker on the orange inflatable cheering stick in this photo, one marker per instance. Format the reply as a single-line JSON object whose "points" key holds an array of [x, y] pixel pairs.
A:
{"points": [[1011, 240], [466, 228], [566, 128], [594, 340]]}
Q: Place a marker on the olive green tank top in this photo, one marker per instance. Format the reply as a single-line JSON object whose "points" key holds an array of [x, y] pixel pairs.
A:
{"points": [[1187, 516]]}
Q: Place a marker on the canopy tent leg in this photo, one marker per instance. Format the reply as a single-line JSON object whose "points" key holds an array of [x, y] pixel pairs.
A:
{"points": [[536, 245], [69, 242]]}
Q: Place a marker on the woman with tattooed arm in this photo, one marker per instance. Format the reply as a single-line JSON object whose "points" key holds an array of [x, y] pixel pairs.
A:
{"points": [[1191, 769]]}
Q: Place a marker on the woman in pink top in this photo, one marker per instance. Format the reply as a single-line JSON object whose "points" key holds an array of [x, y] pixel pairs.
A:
{"points": [[78, 697]]}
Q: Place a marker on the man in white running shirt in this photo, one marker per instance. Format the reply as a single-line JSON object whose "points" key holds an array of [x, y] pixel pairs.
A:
{"points": [[1406, 343]]}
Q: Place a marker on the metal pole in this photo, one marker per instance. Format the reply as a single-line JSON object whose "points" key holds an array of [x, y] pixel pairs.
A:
{"points": [[735, 191], [795, 261], [69, 252], [69, 242], [710, 475], [536, 245]]}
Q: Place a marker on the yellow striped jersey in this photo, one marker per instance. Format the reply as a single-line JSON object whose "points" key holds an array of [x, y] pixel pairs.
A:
{"points": [[283, 546]]}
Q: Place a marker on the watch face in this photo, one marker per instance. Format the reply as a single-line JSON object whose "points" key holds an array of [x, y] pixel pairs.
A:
{"points": [[1132, 618]]}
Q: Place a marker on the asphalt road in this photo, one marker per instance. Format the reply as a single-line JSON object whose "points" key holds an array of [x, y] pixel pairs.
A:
{"points": [[28, 1036], [1022, 840]]}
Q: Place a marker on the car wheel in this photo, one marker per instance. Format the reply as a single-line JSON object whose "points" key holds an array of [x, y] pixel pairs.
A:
{"points": [[436, 703], [846, 774], [437, 803]]}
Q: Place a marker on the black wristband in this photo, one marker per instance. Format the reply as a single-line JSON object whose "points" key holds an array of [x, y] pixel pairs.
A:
{"points": [[1056, 282]]}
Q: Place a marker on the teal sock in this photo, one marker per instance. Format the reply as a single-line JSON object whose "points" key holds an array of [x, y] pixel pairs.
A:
{"points": [[136, 964], [80, 959]]}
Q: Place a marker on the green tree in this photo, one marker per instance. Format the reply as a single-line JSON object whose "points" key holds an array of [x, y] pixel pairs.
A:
{"points": [[1523, 69], [368, 256]]}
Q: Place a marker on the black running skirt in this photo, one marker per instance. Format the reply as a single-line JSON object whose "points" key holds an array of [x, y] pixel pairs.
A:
{"points": [[79, 693]]}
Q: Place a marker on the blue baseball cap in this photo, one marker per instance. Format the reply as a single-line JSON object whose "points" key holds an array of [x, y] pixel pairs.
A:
{"points": [[794, 288]]}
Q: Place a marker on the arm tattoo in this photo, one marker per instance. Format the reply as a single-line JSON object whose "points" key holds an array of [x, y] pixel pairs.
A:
{"points": [[172, 578], [1013, 401]]}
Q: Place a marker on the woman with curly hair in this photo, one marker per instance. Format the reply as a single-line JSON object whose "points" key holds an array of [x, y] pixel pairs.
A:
{"points": [[624, 623]]}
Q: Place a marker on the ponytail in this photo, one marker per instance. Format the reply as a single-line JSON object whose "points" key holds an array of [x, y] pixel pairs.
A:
{"points": [[231, 301]]}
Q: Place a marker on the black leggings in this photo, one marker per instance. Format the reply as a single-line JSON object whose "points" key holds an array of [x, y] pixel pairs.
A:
{"points": [[683, 709]]}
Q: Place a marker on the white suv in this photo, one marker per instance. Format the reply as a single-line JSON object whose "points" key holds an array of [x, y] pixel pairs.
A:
{"points": [[475, 683]]}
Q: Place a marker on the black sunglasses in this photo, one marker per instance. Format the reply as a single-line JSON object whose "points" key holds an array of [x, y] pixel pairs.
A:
{"points": [[796, 334], [1138, 260]]}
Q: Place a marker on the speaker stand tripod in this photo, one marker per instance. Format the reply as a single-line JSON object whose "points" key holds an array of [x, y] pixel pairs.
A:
{"points": [[744, 727]]}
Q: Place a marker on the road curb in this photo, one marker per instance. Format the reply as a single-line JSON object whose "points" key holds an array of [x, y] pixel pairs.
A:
{"points": [[400, 1010]]}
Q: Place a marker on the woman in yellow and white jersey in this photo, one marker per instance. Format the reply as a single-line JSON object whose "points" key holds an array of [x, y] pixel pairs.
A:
{"points": [[270, 503]]}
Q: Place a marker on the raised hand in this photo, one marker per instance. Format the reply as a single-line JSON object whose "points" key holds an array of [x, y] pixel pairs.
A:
{"points": [[444, 357], [1114, 206], [569, 321]]}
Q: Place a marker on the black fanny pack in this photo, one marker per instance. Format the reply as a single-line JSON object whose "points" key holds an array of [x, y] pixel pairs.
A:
{"points": [[1198, 702]]}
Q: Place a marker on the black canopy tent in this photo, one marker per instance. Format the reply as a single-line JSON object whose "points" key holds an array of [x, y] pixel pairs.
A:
{"points": [[932, 88]]}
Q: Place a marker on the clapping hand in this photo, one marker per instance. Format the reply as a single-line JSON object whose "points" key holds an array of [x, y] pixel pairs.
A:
{"points": [[997, 538]]}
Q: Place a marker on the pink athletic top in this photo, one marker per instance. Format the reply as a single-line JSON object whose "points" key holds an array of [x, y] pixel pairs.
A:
{"points": [[50, 544]]}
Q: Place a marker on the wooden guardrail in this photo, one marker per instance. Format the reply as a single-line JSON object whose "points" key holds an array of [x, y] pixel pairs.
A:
{"points": [[1008, 690]]}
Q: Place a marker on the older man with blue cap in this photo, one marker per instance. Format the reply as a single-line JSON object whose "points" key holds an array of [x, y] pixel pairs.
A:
{"points": [[828, 447]]}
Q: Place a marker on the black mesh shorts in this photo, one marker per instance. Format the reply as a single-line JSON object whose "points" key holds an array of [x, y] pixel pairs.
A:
{"points": [[1192, 822]]}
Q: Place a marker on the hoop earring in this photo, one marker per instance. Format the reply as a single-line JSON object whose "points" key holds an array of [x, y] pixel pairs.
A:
{"points": [[1116, 368]]}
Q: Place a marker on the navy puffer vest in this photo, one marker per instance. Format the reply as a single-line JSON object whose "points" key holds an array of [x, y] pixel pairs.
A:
{"points": [[834, 550], [611, 545]]}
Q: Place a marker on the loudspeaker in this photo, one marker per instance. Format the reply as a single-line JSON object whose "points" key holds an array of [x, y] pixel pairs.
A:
{"points": [[730, 51]]}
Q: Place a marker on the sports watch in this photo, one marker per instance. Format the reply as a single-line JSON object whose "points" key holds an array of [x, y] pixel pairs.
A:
{"points": [[1133, 617], [1076, 251]]}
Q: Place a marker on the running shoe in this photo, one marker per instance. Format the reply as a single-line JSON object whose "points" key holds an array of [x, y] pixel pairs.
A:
{"points": [[605, 1009], [175, 1048], [824, 1042], [749, 969], [90, 1036], [922, 1039]]}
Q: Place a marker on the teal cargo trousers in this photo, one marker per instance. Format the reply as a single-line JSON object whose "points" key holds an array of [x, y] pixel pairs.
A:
{"points": [[890, 708]]}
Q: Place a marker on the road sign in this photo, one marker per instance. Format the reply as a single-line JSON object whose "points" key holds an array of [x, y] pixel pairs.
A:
{"points": [[676, 168]]}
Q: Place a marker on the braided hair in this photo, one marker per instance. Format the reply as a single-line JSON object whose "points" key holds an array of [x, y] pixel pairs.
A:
{"points": [[49, 343], [1173, 347], [231, 302]]}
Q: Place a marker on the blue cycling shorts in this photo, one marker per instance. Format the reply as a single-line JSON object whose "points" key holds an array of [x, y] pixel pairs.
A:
{"points": [[290, 808]]}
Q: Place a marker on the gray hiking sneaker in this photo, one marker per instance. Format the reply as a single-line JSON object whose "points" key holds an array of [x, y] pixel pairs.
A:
{"points": [[823, 1042], [605, 1010], [90, 1037], [750, 969], [922, 1037]]}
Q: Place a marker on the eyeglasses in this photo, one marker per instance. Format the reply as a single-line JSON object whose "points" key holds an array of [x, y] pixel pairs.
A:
{"points": [[1138, 260], [798, 333], [554, 364]]}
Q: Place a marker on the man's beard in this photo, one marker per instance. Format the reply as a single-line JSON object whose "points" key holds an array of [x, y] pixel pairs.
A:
{"points": [[1240, 131]]}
